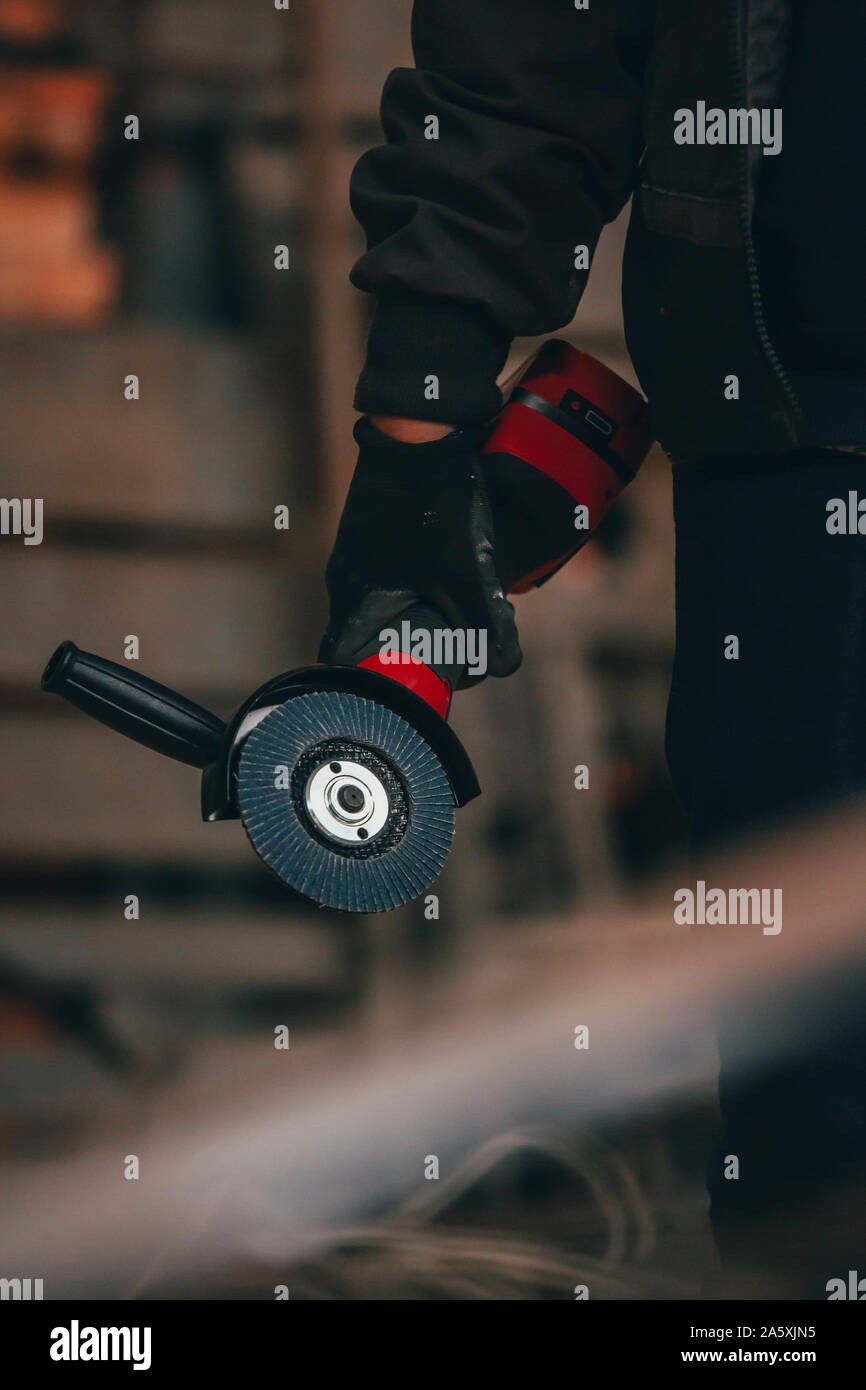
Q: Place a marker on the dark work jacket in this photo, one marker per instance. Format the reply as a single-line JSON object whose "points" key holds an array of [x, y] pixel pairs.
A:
{"points": [[549, 119]]}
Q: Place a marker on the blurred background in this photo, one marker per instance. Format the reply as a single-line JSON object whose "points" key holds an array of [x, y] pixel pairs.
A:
{"points": [[155, 256]]}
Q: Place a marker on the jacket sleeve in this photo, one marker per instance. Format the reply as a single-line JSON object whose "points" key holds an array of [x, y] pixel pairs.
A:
{"points": [[513, 140]]}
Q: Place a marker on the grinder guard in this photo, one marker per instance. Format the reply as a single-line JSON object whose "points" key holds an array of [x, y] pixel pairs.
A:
{"points": [[219, 780]]}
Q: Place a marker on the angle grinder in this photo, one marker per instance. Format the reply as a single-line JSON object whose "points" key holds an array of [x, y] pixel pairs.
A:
{"points": [[346, 779]]}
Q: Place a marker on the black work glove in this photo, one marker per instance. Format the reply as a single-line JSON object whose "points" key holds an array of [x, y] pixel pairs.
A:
{"points": [[416, 527]]}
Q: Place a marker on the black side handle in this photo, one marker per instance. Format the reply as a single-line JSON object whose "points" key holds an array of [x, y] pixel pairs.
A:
{"points": [[140, 708]]}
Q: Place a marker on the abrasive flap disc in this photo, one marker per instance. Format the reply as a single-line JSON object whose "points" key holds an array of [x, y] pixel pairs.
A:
{"points": [[345, 801]]}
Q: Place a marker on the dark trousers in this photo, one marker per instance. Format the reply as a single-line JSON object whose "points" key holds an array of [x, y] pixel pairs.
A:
{"points": [[777, 731]]}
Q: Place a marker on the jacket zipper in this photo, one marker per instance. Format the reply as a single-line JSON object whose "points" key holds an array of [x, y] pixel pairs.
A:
{"points": [[737, 12]]}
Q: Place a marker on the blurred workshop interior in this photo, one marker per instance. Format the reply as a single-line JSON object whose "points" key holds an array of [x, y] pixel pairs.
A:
{"points": [[143, 953]]}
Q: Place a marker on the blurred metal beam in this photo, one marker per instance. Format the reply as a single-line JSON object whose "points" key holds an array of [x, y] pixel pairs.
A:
{"points": [[335, 311]]}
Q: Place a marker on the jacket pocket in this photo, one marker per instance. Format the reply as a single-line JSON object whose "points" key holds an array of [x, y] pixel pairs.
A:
{"points": [[704, 221]]}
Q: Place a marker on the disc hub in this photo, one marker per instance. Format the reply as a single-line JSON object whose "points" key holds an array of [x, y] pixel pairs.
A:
{"points": [[347, 801]]}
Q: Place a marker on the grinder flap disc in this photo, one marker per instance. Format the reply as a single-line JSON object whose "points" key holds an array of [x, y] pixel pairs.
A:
{"points": [[345, 801]]}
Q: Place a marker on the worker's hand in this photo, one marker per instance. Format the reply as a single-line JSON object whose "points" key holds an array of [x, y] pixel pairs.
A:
{"points": [[416, 527]]}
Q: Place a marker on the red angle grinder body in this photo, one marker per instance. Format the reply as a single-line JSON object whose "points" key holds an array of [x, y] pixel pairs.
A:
{"points": [[346, 779]]}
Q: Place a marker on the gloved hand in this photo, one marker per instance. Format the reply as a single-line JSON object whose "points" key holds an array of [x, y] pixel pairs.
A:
{"points": [[416, 527]]}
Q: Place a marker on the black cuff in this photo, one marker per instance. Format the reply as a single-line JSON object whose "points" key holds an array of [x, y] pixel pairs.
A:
{"points": [[417, 337]]}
